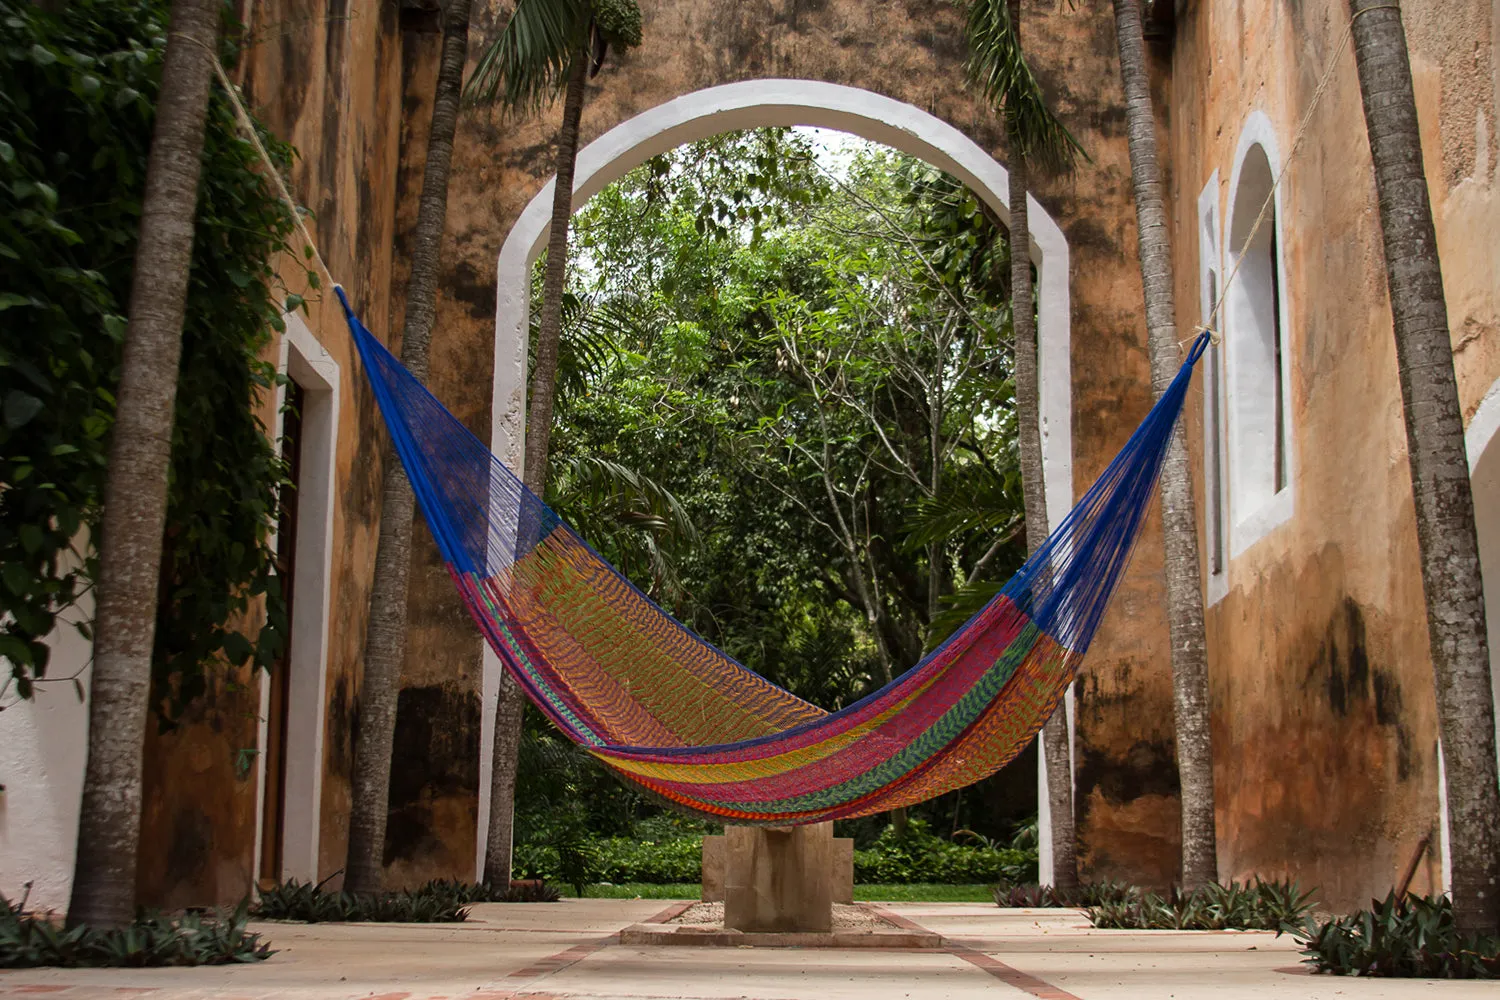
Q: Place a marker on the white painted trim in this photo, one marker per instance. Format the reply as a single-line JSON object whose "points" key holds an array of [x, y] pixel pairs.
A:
{"points": [[1215, 438], [755, 104], [1483, 426], [1479, 437], [1249, 526], [304, 360]]}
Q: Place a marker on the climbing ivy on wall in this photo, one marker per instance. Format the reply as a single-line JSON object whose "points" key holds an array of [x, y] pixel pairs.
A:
{"points": [[76, 107]]}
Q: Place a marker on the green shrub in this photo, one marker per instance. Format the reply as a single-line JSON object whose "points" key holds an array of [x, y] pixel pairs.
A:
{"points": [[1271, 906], [578, 860], [918, 857], [922, 856], [434, 903], [78, 85], [483, 892], [618, 860], [28, 941], [1033, 896], [1413, 937]]}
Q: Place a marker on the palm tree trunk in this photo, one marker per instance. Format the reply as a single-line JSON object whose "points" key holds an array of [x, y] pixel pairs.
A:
{"points": [[385, 638], [544, 377], [1451, 580], [511, 703], [1190, 699], [135, 493], [1056, 745]]}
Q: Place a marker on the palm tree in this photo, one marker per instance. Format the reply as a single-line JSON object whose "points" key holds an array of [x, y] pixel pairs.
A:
{"points": [[547, 46], [997, 64], [1179, 521], [385, 636], [135, 491], [1456, 627]]}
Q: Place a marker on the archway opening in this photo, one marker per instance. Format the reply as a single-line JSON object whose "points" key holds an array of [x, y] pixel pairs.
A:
{"points": [[782, 103], [1258, 447]]}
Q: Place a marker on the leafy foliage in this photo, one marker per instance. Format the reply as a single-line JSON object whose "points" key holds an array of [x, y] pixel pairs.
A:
{"points": [[1413, 937], [438, 902], [1030, 895], [921, 856], [692, 450], [28, 940], [997, 66], [76, 106], [1277, 906], [533, 891], [529, 62]]}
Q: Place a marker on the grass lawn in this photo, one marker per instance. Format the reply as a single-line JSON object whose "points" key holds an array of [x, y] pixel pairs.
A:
{"points": [[924, 892], [919, 893]]}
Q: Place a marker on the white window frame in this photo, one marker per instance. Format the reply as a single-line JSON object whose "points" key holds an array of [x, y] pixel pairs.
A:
{"points": [[1215, 411], [1252, 520], [304, 361]]}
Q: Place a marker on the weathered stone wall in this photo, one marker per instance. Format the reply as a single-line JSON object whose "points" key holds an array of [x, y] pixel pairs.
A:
{"points": [[911, 51], [1324, 718], [1324, 722]]}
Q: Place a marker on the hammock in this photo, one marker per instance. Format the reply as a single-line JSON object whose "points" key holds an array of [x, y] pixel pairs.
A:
{"points": [[667, 710]]}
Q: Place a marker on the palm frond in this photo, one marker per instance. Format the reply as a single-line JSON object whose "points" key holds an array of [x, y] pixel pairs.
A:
{"points": [[625, 496], [958, 608], [997, 66], [942, 520], [529, 63]]}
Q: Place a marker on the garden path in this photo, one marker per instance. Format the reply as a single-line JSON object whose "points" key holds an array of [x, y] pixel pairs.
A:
{"points": [[569, 951]]}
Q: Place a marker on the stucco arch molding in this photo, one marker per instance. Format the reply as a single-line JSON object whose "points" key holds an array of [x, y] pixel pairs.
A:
{"points": [[756, 104]]}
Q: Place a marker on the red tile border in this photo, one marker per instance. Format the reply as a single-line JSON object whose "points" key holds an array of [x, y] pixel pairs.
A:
{"points": [[1039, 988], [1025, 982], [563, 959], [671, 912]]}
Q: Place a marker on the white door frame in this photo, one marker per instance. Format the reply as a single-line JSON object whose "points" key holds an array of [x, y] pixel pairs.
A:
{"points": [[305, 362]]}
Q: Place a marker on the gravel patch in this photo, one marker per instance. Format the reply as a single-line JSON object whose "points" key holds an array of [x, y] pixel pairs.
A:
{"points": [[845, 917]]}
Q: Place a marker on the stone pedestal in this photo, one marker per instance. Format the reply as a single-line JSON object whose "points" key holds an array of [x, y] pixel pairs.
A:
{"points": [[778, 879], [714, 869], [843, 870]]}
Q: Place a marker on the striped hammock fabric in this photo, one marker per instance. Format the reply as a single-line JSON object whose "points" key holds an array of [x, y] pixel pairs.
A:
{"points": [[667, 710]]}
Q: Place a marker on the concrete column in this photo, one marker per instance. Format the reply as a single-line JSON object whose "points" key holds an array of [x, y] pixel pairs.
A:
{"points": [[779, 878]]}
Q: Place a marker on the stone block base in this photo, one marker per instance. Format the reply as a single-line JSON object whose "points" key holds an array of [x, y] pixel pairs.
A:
{"points": [[778, 879], [714, 860]]}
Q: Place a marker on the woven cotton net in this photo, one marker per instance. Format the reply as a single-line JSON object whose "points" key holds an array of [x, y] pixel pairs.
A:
{"points": [[668, 710]]}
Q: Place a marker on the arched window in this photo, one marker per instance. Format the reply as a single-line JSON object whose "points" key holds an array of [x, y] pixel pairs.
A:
{"points": [[1255, 336], [1215, 473]]}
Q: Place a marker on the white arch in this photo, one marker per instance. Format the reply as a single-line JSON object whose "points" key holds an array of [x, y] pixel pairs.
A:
{"points": [[758, 104], [1484, 473], [1253, 509]]}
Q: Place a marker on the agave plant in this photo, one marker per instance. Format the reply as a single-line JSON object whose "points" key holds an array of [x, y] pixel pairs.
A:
{"points": [[29, 940], [1414, 936], [434, 903], [1279, 906]]}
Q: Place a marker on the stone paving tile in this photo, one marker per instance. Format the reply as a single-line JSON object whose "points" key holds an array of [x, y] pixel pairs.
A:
{"points": [[571, 952]]}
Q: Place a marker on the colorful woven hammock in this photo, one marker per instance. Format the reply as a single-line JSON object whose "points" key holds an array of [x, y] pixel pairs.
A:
{"points": [[667, 710]]}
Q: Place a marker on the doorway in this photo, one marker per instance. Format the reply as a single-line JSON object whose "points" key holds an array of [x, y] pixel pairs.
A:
{"points": [[273, 815]]}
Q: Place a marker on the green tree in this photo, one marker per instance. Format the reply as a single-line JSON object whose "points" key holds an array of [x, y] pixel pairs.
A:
{"points": [[135, 493], [1190, 697], [547, 46], [385, 637], [1446, 538], [998, 66]]}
